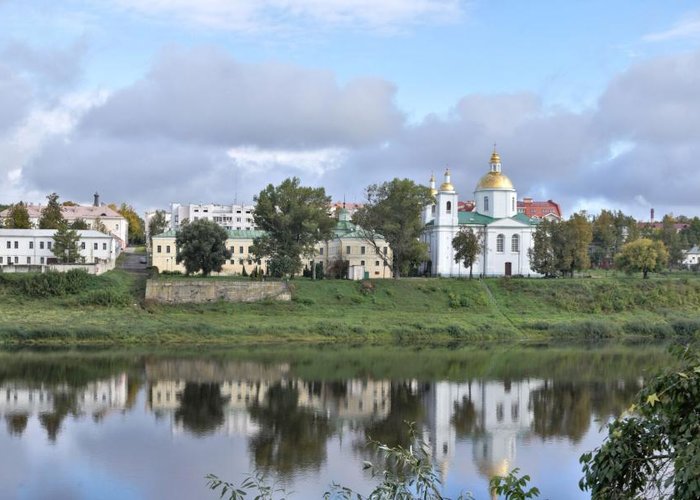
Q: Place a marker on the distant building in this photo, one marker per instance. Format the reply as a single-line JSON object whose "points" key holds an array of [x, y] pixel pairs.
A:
{"points": [[232, 217], [546, 210], [25, 249], [692, 257], [678, 226], [112, 220]]}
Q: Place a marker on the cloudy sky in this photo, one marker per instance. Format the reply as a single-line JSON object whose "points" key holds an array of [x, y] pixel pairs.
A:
{"points": [[593, 104]]}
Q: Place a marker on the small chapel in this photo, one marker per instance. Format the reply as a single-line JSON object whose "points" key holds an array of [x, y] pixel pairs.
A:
{"points": [[506, 235]]}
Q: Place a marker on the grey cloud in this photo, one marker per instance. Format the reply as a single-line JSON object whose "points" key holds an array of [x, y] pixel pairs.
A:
{"points": [[53, 66], [205, 96], [15, 98]]}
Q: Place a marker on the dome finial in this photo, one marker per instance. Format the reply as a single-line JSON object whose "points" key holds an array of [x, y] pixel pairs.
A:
{"points": [[447, 185], [495, 157]]}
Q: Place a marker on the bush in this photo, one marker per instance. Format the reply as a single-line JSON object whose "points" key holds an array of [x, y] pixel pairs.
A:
{"points": [[105, 297], [686, 327], [592, 329], [55, 284]]}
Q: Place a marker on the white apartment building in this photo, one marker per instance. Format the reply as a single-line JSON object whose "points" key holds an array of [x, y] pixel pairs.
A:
{"points": [[232, 217], [34, 247]]}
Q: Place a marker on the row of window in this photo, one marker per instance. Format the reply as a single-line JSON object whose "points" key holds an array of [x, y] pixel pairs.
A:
{"points": [[95, 246], [501, 243], [49, 244], [15, 260]]}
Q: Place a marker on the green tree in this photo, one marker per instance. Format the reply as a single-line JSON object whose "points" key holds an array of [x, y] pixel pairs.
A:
{"points": [[98, 225], [672, 240], [65, 244], [652, 449], [201, 246], [467, 246], [604, 239], [51, 215], [295, 218], [18, 217], [79, 224], [136, 233], [157, 224], [692, 232], [393, 210], [542, 257], [642, 255], [574, 239]]}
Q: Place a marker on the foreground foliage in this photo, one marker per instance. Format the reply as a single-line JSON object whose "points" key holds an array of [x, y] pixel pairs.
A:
{"points": [[653, 450]]}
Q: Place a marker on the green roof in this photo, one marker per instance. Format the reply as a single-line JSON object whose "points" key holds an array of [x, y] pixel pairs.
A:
{"points": [[474, 218], [525, 219]]}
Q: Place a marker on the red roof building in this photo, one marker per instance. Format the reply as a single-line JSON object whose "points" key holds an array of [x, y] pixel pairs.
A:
{"points": [[539, 209]]}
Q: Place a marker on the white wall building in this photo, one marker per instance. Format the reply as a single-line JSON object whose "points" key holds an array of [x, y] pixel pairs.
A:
{"points": [[231, 217], [34, 247], [93, 214], [506, 235], [692, 257]]}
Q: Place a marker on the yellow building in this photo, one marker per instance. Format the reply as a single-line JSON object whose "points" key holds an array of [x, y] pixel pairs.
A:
{"points": [[164, 252]]}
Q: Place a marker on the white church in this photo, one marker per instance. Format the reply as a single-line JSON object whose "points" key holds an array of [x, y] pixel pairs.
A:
{"points": [[506, 235]]}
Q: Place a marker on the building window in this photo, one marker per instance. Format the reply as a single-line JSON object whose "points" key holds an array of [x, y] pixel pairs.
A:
{"points": [[94, 246], [362, 262], [82, 245], [240, 250], [41, 260], [500, 243], [9, 244], [0, 259], [376, 263], [385, 250], [320, 251], [16, 244], [41, 245], [362, 250], [167, 248], [250, 249], [449, 207], [49, 244], [29, 260], [486, 203], [347, 250], [31, 245], [104, 246], [515, 243], [16, 260], [159, 249]]}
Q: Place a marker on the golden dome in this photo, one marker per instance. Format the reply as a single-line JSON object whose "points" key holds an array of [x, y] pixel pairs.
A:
{"points": [[433, 191], [447, 185], [495, 157], [494, 180]]}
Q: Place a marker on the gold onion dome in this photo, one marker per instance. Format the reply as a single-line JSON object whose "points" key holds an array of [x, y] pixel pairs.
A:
{"points": [[495, 180], [447, 185], [495, 157], [433, 191]]}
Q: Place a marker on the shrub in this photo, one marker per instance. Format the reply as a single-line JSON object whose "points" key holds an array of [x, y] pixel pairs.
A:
{"points": [[55, 284], [686, 327], [105, 297]]}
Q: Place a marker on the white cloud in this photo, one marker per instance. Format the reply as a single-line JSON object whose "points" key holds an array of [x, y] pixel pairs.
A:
{"points": [[315, 162], [688, 28], [265, 15]]}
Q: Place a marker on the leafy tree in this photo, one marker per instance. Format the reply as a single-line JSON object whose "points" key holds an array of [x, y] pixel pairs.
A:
{"points": [[672, 240], [65, 244], [18, 217], [295, 219], [157, 224], [652, 449], [572, 243], [642, 255], [393, 210], [79, 224], [201, 246], [467, 246], [692, 232], [69, 203], [542, 257], [136, 233], [98, 225], [51, 215], [604, 239]]}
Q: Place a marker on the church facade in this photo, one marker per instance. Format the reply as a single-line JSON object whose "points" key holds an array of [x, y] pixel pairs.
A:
{"points": [[506, 235]]}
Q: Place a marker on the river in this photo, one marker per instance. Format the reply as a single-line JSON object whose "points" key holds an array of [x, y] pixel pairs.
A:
{"points": [[151, 424]]}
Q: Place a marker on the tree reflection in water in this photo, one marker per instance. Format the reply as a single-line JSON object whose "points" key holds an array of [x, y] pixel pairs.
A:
{"points": [[16, 423], [291, 437], [201, 408]]}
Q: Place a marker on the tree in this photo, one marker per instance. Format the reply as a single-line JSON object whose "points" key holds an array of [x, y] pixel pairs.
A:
{"points": [[65, 244], [201, 246], [295, 219], [79, 224], [98, 225], [157, 224], [467, 246], [542, 257], [672, 240], [51, 215], [574, 239], [651, 451], [393, 213], [642, 255], [18, 217], [692, 232], [137, 233]]}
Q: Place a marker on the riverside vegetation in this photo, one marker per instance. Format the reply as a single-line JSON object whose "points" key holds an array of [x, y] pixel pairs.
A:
{"points": [[78, 308]]}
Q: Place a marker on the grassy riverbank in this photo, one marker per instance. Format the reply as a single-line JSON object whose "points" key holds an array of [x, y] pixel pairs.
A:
{"points": [[109, 309]]}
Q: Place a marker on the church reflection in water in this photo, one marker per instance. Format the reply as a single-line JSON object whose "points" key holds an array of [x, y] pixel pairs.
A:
{"points": [[288, 421]]}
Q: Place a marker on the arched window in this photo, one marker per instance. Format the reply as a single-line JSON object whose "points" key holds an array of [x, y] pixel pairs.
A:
{"points": [[500, 243], [449, 207], [515, 243], [486, 203]]}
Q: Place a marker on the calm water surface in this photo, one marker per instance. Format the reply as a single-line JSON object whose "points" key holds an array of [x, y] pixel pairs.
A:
{"points": [[151, 425]]}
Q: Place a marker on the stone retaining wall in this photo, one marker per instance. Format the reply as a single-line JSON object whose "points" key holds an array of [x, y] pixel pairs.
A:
{"points": [[182, 291]]}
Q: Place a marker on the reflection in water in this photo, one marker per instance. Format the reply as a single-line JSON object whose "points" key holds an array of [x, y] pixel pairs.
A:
{"points": [[287, 421]]}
